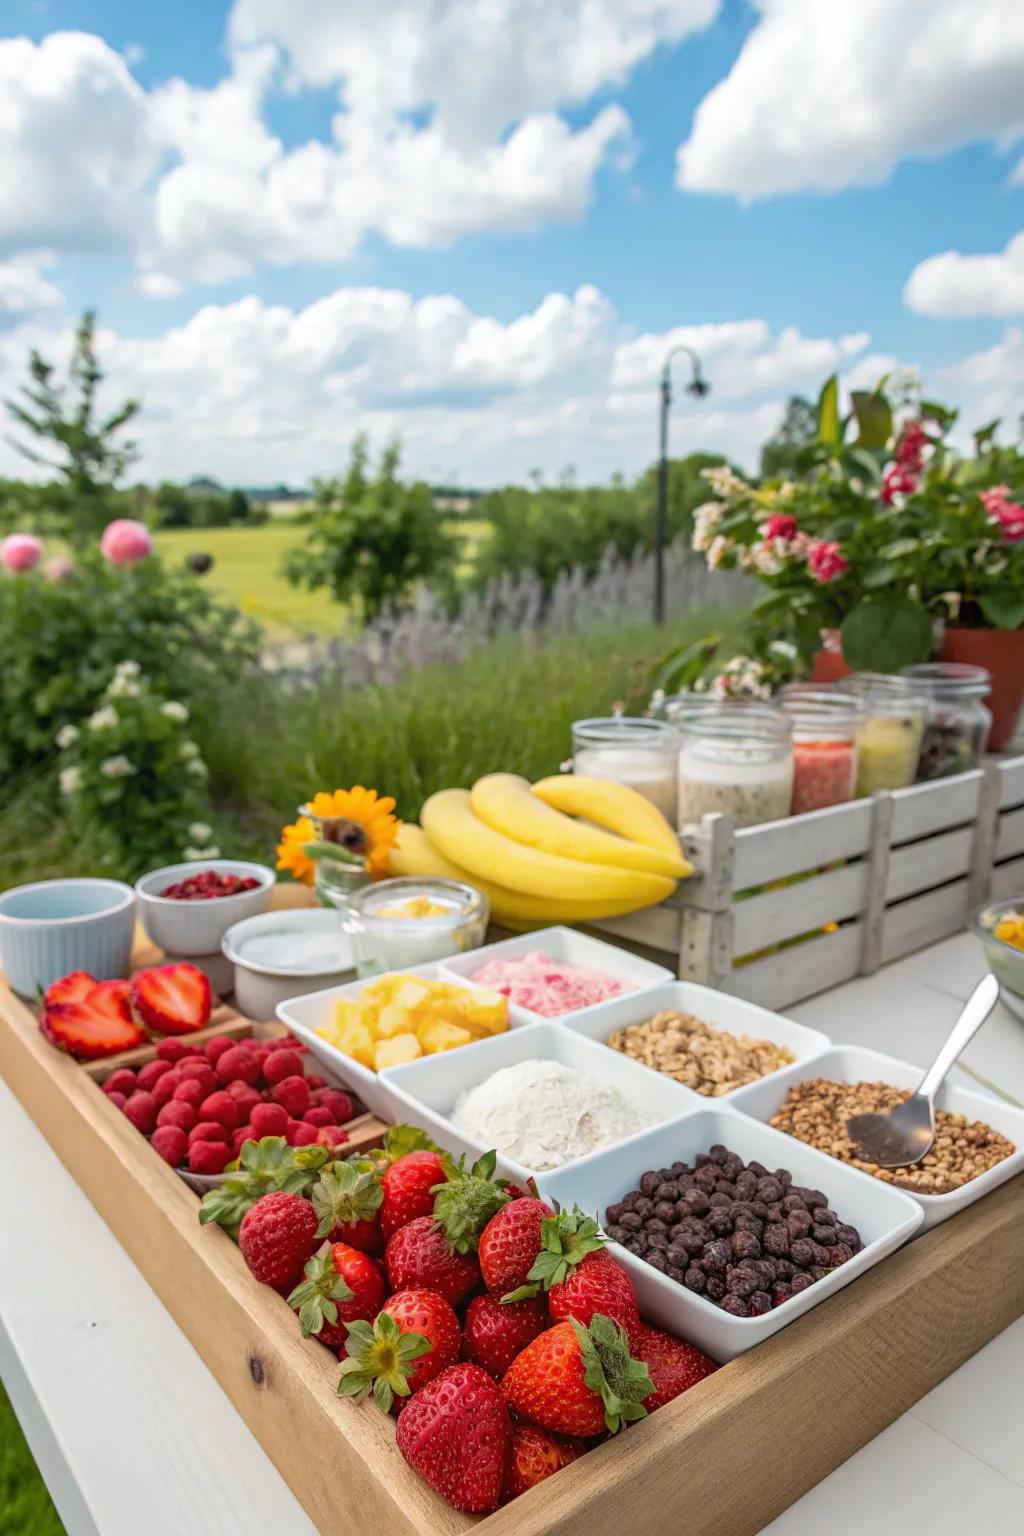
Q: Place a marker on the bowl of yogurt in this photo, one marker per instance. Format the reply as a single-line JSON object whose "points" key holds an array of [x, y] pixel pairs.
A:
{"points": [[280, 955]]}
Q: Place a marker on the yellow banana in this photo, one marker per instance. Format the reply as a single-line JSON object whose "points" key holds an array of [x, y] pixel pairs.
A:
{"points": [[614, 806], [414, 854], [506, 803], [461, 836]]}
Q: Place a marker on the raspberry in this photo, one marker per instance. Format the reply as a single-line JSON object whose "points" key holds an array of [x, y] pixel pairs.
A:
{"points": [[141, 1111], [177, 1113], [117, 1099], [189, 1091], [282, 1043], [240, 1136], [171, 1143], [277, 1236], [261, 1049], [304, 1135], [207, 1130], [240, 1061], [220, 1106], [244, 1096], [339, 1103], [163, 1088], [151, 1073], [318, 1115], [171, 1050], [123, 1080], [282, 1064], [331, 1136], [268, 1120], [315, 1081], [201, 1072], [293, 1093], [216, 1046], [208, 1156]]}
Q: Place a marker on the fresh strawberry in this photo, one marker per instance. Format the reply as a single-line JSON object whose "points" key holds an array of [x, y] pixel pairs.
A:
{"points": [[98, 1024], [534, 1455], [347, 1203], [578, 1381], [510, 1243], [497, 1332], [409, 1186], [71, 988], [419, 1255], [455, 1432], [172, 999], [265, 1166], [277, 1237], [467, 1200], [598, 1284], [341, 1285], [673, 1364], [414, 1337]]}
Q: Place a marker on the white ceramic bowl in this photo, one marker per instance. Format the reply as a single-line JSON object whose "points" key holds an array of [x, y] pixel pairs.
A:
{"points": [[52, 927], [884, 1217], [306, 1014], [731, 1015], [851, 1064], [573, 948], [427, 1089], [188, 928], [260, 988]]}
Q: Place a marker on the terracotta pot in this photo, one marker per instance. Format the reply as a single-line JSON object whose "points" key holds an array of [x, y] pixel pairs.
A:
{"points": [[1002, 652], [827, 665]]}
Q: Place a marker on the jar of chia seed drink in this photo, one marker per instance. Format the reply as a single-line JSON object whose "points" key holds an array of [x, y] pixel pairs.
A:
{"points": [[736, 760], [826, 732], [890, 738], [957, 721], [642, 754]]}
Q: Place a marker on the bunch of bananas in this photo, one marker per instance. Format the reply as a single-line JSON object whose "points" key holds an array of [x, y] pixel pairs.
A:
{"points": [[566, 850]]}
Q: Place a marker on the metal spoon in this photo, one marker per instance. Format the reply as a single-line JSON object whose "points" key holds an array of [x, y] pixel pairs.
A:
{"points": [[905, 1134]]}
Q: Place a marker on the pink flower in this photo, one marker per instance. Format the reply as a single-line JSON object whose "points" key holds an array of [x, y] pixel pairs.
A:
{"points": [[20, 551], [826, 561], [910, 448], [1009, 515], [59, 568], [781, 525], [125, 541], [897, 481]]}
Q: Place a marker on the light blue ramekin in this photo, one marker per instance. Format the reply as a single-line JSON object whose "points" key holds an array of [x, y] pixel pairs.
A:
{"points": [[55, 926]]}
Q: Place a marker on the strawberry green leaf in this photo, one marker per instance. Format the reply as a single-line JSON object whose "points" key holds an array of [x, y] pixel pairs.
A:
{"points": [[566, 1239], [465, 1203], [315, 1297], [345, 1194], [611, 1372], [378, 1359]]}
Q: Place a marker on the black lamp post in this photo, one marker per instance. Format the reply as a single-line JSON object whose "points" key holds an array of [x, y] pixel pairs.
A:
{"points": [[699, 387]]}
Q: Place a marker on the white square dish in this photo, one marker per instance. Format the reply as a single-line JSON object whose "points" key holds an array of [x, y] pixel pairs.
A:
{"points": [[305, 1015], [884, 1217], [571, 947], [731, 1015], [853, 1064], [427, 1090]]}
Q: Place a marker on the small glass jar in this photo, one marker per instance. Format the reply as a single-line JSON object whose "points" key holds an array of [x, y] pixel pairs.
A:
{"points": [[412, 921], [957, 721], [643, 754], [736, 761], [890, 738], [826, 730]]}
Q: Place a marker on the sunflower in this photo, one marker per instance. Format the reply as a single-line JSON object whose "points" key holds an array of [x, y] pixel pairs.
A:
{"points": [[358, 820], [291, 854]]}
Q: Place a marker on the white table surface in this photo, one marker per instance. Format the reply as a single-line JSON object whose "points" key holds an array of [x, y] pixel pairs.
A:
{"points": [[132, 1433]]}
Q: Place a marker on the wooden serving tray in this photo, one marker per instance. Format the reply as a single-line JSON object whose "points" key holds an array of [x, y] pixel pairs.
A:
{"points": [[743, 1444]]}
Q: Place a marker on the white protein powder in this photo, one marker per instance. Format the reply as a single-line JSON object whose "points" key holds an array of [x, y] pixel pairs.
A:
{"points": [[543, 1114]]}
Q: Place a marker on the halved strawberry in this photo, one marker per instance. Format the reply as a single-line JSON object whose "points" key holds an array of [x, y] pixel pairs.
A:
{"points": [[98, 1024], [172, 999], [70, 988]]}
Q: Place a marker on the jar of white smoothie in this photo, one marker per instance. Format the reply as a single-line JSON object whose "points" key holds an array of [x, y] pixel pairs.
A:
{"points": [[739, 762], [643, 754]]}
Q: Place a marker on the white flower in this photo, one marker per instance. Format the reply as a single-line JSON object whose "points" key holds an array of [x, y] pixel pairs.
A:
{"points": [[705, 520], [116, 767], [67, 736], [70, 780], [783, 648], [197, 768], [104, 719], [200, 853], [122, 687], [724, 481], [717, 550], [127, 669], [174, 711], [199, 832], [189, 750]]}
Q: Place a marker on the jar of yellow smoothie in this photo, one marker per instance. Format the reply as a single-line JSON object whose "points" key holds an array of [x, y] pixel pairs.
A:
{"points": [[890, 736]]}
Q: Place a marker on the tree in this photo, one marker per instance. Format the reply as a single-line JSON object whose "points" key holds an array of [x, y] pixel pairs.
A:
{"points": [[780, 455], [82, 448], [687, 490], [373, 537]]}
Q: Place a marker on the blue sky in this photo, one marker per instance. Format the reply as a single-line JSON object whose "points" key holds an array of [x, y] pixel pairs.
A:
{"points": [[289, 235]]}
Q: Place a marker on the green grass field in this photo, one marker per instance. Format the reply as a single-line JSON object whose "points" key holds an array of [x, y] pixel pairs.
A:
{"points": [[25, 1505], [247, 571]]}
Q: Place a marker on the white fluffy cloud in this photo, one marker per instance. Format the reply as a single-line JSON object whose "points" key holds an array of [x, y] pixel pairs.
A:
{"points": [[830, 95], [24, 291], [956, 284], [990, 383], [743, 357]]}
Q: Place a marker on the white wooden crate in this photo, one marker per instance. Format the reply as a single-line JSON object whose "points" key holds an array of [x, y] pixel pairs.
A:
{"points": [[778, 912]]}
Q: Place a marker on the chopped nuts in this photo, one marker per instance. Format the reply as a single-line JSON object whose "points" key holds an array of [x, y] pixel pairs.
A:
{"points": [[708, 1060], [817, 1111]]}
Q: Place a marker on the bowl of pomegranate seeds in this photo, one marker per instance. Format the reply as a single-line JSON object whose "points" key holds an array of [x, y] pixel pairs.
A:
{"points": [[187, 908]]}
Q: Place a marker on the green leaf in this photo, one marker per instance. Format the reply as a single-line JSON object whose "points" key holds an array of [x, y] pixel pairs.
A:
{"points": [[879, 575], [984, 435], [321, 850], [830, 430], [883, 634], [1003, 610], [874, 418], [898, 548]]}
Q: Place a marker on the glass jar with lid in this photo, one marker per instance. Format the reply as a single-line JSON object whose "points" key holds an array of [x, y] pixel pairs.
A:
{"points": [[826, 731], [957, 721], [890, 738], [642, 754], [412, 921], [738, 761]]}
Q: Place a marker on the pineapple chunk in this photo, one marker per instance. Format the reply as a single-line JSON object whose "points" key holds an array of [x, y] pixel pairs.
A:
{"points": [[411, 993], [356, 1041], [391, 1053], [484, 1012], [394, 1020], [439, 1036], [347, 1010]]}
